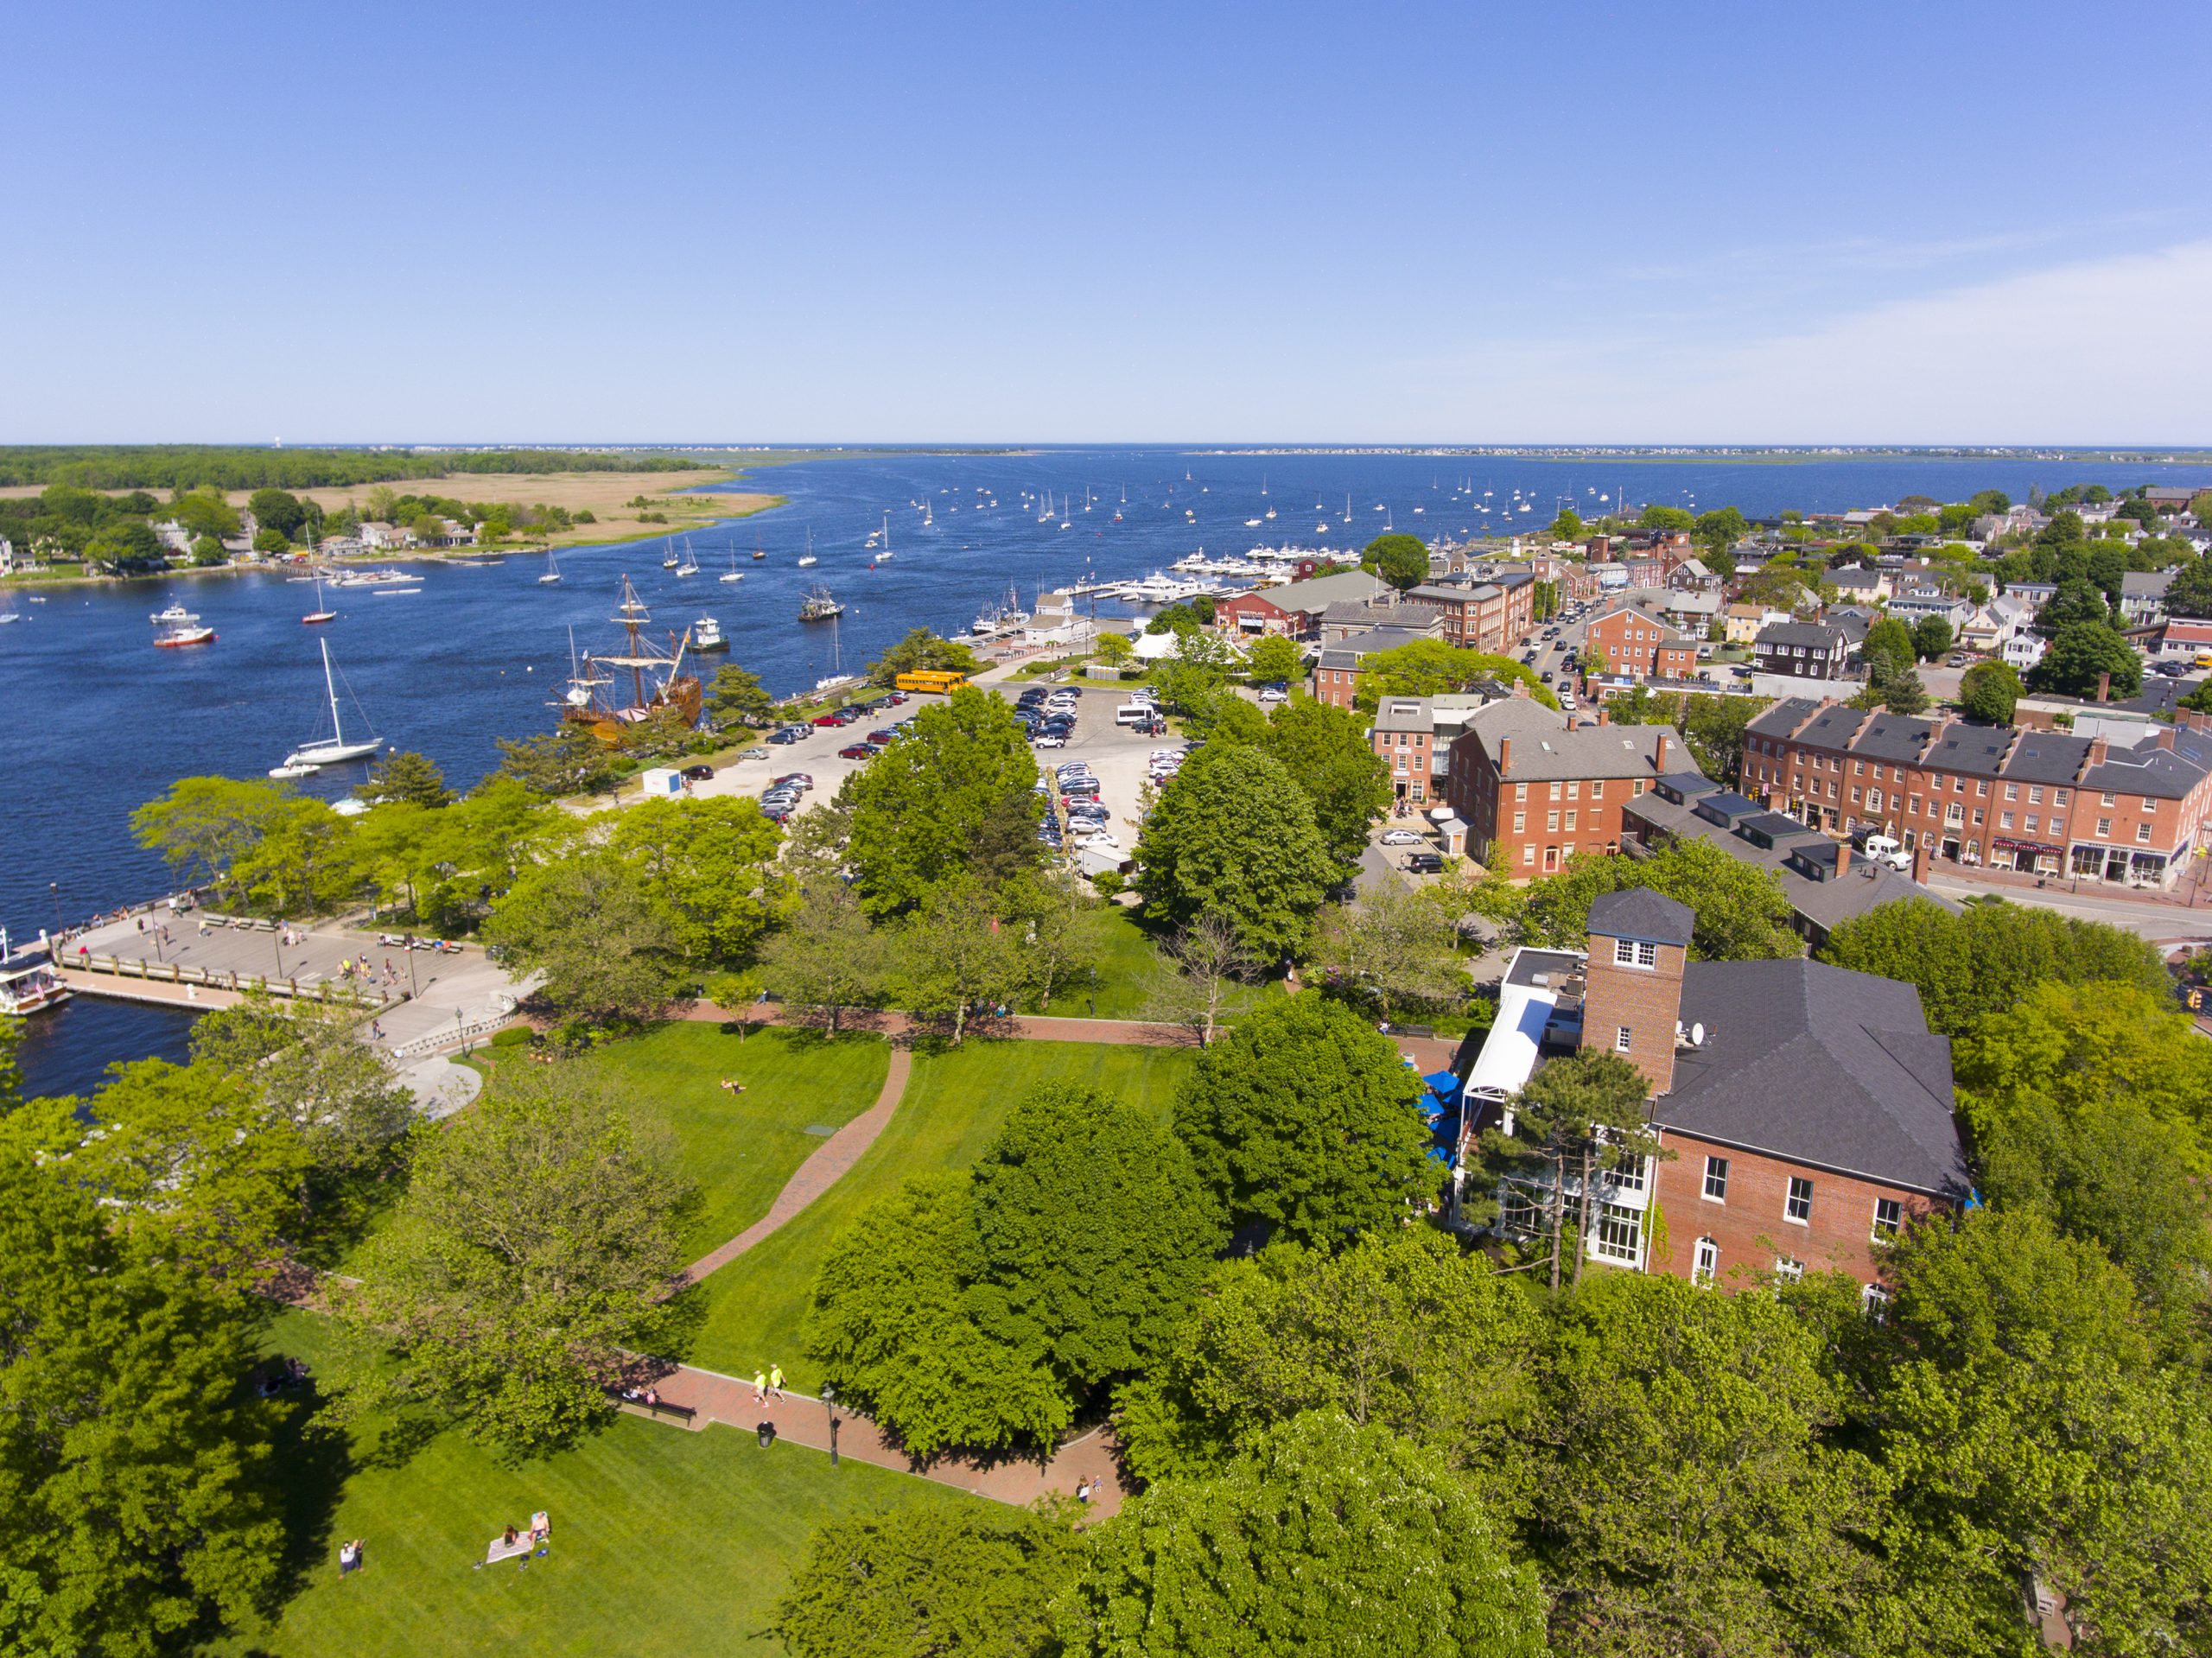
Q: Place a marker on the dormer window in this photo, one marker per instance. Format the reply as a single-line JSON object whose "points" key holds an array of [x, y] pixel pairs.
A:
{"points": [[1633, 952]]}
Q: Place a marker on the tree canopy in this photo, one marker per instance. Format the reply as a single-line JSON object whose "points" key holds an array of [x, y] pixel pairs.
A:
{"points": [[2083, 653], [1400, 559], [1233, 835], [1742, 912], [919, 650], [1988, 692], [1302, 1120], [953, 799]]}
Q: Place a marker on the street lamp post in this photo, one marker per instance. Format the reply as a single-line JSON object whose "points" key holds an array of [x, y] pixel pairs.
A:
{"points": [[54, 891]]}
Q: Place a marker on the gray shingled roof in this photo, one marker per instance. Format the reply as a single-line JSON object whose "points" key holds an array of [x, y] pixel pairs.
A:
{"points": [[1543, 748], [1816, 634], [1822, 1066], [1347, 651], [1641, 913]]}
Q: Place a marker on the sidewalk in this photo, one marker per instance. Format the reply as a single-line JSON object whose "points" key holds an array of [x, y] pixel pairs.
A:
{"points": [[804, 1420]]}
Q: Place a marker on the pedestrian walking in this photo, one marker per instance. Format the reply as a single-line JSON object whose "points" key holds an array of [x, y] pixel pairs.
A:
{"points": [[352, 1556], [775, 1382], [760, 1387]]}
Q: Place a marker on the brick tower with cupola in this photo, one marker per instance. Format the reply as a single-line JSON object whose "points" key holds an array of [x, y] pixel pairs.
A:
{"points": [[1639, 943]]}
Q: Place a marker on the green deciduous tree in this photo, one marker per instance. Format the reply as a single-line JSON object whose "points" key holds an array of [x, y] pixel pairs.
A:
{"points": [[890, 1324], [305, 865], [930, 810], [1969, 965], [710, 866], [1303, 1119], [826, 959], [1114, 649], [1274, 657], [2189, 594], [136, 1502], [1234, 835], [1400, 1329], [1399, 559], [1989, 691], [1931, 636], [1092, 1234], [1720, 529], [2082, 655], [2090, 1102], [1685, 1498], [1392, 950], [1328, 754], [1430, 668], [1742, 912], [954, 956], [567, 760], [1568, 525], [203, 826], [923, 1582], [530, 1257], [590, 924], [1326, 1537], [278, 510]]}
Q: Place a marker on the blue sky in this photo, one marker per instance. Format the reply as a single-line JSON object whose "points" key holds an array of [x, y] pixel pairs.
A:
{"points": [[1472, 223]]}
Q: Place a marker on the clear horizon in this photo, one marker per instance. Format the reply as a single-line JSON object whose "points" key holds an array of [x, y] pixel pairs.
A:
{"points": [[1435, 226]]}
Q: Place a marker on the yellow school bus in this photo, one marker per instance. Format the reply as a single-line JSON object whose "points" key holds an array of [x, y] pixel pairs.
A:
{"points": [[940, 680]]}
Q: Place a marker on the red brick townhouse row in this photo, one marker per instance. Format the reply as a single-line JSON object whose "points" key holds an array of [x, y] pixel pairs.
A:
{"points": [[1492, 616], [1807, 1108], [1989, 795], [1636, 639], [1534, 791]]}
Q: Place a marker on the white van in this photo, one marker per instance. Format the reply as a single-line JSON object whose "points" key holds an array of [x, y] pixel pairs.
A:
{"points": [[1134, 714]]}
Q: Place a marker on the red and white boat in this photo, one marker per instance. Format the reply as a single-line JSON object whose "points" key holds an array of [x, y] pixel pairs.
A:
{"points": [[177, 628], [319, 615]]}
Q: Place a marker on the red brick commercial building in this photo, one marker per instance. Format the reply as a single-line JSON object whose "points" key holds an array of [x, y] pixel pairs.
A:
{"points": [[2044, 801], [1492, 616], [1636, 639], [1337, 669], [1808, 1109], [1534, 791]]}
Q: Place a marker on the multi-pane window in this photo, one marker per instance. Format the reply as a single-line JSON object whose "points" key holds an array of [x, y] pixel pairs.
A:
{"points": [[1889, 1215], [1551, 822], [2104, 828], [1516, 1209], [1570, 819], [2003, 820], [1789, 1269], [1520, 823], [2143, 833], [1621, 1040], [1708, 1262], [1635, 952], [1716, 1178], [1798, 1206], [1876, 1301], [1618, 1235]]}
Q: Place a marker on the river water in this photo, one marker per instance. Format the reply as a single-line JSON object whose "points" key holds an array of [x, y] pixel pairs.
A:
{"points": [[98, 721]]}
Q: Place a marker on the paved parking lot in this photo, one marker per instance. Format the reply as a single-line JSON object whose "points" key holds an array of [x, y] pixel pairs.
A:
{"points": [[1118, 756]]}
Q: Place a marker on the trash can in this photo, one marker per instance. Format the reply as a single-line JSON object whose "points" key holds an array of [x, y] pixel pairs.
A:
{"points": [[767, 1432]]}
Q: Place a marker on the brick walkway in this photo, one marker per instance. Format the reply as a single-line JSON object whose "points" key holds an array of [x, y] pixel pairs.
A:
{"points": [[803, 1419], [819, 1172]]}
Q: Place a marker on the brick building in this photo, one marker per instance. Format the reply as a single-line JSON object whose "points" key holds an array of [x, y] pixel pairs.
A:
{"points": [[1294, 610], [1405, 738], [1535, 791], [1636, 639], [2044, 801], [1337, 669], [1808, 1109], [1491, 616]]}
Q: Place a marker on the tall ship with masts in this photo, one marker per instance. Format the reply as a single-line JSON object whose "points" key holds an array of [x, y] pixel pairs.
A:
{"points": [[617, 689]]}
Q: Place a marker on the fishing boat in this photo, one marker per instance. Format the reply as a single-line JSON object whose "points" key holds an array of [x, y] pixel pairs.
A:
{"points": [[552, 576], [707, 635], [176, 627], [819, 607], [319, 613], [333, 749], [27, 981], [656, 678]]}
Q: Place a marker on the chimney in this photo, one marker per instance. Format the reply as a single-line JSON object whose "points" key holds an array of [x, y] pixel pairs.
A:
{"points": [[1504, 754], [2098, 749], [2104, 688], [2165, 739], [1842, 859], [1602, 720], [1921, 859]]}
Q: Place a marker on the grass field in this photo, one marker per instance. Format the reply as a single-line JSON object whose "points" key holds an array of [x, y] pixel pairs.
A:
{"points": [[953, 1105], [741, 1147], [664, 1542]]}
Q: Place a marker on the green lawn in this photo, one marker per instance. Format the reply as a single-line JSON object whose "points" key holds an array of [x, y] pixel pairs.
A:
{"points": [[741, 1147], [664, 1541], [953, 1105], [1130, 971]]}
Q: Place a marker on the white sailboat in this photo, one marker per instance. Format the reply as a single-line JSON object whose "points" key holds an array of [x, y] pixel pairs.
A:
{"points": [[331, 750], [807, 557], [735, 574], [552, 576], [690, 565]]}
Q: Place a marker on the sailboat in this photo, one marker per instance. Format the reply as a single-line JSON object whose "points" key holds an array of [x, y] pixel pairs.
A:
{"points": [[735, 574], [690, 565], [331, 750], [759, 551], [552, 576], [656, 677], [884, 551], [807, 557], [319, 615]]}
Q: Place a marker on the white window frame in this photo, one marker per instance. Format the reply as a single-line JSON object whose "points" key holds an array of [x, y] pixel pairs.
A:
{"points": [[1611, 1222], [1715, 1167], [1794, 1200], [1624, 1038], [1888, 1226], [1705, 1264]]}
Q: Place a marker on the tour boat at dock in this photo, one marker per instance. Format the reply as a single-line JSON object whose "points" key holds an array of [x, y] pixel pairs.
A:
{"points": [[28, 982]]}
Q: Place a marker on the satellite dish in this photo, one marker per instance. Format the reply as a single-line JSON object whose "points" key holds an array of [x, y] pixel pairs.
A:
{"points": [[1697, 1036]]}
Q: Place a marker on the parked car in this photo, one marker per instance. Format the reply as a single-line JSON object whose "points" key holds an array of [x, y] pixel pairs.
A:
{"points": [[1049, 739], [698, 773], [1425, 863], [1401, 837], [756, 752], [788, 734], [826, 719], [1271, 695], [879, 738], [805, 779], [856, 752]]}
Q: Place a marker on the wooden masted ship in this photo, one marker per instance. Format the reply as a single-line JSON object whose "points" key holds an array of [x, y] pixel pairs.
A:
{"points": [[611, 691]]}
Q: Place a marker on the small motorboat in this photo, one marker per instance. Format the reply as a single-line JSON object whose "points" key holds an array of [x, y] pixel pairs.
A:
{"points": [[292, 770]]}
